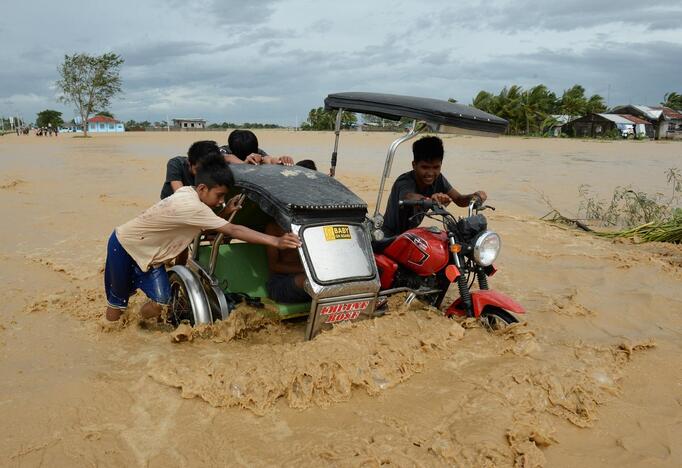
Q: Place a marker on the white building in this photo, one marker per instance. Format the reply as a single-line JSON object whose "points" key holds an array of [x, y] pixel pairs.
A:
{"points": [[188, 124]]}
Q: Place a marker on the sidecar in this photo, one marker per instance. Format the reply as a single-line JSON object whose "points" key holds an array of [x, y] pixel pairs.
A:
{"points": [[336, 252]]}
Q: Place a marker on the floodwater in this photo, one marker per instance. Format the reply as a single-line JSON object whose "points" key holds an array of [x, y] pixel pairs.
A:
{"points": [[592, 377]]}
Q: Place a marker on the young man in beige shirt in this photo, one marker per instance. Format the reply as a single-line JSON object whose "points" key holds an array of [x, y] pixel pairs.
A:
{"points": [[138, 249]]}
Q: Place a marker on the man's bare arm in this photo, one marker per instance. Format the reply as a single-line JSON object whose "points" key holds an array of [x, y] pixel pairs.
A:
{"points": [[175, 185], [463, 200], [235, 231], [275, 263]]}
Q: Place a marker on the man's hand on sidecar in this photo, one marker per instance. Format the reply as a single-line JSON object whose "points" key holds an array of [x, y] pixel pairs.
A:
{"points": [[288, 241], [232, 205], [286, 161], [254, 158]]}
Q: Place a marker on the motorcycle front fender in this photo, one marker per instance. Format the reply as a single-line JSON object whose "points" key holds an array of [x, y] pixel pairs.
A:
{"points": [[481, 299]]}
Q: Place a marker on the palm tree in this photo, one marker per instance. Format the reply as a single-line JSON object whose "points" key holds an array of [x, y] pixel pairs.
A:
{"points": [[536, 104], [573, 101], [673, 100], [595, 104], [485, 101], [509, 106]]}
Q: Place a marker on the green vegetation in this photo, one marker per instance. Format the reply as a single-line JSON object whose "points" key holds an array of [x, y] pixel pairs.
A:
{"points": [[253, 125], [634, 214], [89, 82], [321, 119], [672, 100], [105, 113], [49, 117], [529, 111]]}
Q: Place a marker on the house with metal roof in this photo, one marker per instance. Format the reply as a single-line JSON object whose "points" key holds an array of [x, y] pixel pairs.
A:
{"points": [[601, 125], [667, 122], [558, 121]]}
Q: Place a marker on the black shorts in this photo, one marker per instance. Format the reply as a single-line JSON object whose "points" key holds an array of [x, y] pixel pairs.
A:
{"points": [[282, 288]]}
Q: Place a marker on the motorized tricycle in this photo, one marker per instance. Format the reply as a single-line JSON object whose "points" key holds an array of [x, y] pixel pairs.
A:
{"points": [[345, 277], [336, 252], [425, 261]]}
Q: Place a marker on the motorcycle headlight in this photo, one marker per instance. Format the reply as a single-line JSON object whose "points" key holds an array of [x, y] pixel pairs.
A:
{"points": [[486, 248]]}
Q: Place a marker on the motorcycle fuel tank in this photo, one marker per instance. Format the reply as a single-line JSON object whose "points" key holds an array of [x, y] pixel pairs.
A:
{"points": [[420, 250]]}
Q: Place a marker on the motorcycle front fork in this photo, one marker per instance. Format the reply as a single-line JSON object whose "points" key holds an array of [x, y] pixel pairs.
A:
{"points": [[464, 292]]}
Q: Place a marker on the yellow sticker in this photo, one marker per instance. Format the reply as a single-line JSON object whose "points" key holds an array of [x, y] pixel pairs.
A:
{"points": [[336, 232]]}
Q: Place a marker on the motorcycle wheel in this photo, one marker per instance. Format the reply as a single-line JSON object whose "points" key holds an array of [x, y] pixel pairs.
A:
{"points": [[494, 318], [180, 306]]}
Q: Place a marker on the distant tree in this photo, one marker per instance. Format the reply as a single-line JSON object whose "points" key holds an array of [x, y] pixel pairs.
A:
{"points": [[536, 104], [486, 102], [321, 119], [89, 82], [573, 101], [453, 100], [673, 100], [49, 117], [595, 105], [509, 102], [257, 125], [105, 113]]}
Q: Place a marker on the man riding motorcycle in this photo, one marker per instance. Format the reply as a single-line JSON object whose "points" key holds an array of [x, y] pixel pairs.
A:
{"points": [[424, 181]]}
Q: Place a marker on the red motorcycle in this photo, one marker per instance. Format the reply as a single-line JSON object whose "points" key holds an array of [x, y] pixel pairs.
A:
{"points": [[425, 261]]}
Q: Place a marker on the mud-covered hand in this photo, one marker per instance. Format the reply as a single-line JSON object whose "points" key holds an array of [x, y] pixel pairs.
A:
{"points": [[288, 241], [441, 198]]}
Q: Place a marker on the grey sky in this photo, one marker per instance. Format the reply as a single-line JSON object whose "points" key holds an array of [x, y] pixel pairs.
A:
{"points": [[271, 61]]}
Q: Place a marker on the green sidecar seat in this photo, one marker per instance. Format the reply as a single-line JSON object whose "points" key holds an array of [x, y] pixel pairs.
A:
{"points": [[243, 268]]}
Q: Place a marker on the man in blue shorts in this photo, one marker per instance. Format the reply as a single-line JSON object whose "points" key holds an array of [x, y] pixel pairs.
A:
{"points": [[138, 249]]}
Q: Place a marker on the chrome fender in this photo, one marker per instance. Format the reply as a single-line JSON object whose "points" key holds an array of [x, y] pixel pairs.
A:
{"points": [[197, 297]]}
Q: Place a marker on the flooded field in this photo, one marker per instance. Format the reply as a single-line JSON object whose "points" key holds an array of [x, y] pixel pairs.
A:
{"points": [[591, 378]]}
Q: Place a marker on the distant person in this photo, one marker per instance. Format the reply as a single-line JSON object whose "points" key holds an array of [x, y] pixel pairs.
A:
{"points": [[424, 181], [138, 249], [181, 170], [242, 147]]}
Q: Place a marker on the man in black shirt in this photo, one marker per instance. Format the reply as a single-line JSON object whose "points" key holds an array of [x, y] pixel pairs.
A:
{"points": [[180, 170], [422, 182], [242, 147]]}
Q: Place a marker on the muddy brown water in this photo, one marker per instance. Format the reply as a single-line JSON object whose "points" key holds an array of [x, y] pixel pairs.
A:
{"points": [[593, 377]]}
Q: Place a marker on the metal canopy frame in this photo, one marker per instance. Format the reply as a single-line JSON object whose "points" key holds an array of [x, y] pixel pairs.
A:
{"points": [[428, 114]]}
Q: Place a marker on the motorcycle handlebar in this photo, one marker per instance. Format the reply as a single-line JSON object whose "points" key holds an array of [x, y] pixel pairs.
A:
{"points": [[425, 203]]}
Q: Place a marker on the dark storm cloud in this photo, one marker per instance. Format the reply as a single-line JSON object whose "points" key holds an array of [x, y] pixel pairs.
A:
{"points": [[242, 14], [274, 60], [520, 15], [158, 52], [633, 71]]}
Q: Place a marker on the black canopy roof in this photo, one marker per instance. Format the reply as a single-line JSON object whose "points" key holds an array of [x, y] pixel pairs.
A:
{"points": [[433, 111], [299, 195]]}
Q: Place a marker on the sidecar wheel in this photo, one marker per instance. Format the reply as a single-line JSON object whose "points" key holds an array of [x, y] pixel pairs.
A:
{"points": [[494, 318], [188, 301]]}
